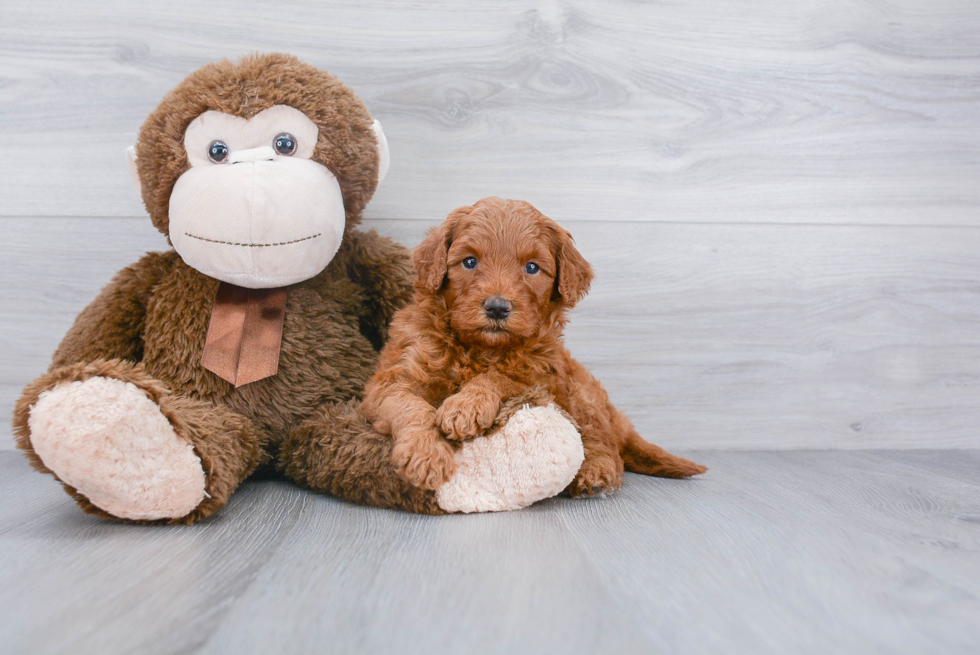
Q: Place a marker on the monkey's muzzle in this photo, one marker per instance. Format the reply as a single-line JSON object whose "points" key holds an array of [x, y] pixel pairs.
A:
{"points": [[261, 221]]}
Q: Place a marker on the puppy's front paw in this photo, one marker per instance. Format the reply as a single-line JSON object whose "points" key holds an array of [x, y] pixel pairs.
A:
{"points": [[426, 462], [598, 475], [466, 414]]}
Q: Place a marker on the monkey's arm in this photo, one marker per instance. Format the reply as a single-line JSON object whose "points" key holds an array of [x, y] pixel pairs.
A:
{"points": [[111, 327], [383, 268]]}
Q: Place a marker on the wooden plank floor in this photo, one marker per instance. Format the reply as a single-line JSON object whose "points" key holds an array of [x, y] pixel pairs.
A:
{"points": [[789, 552]]}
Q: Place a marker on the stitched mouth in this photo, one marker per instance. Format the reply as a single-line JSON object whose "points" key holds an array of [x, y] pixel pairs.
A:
{"points": [[252, 245]]}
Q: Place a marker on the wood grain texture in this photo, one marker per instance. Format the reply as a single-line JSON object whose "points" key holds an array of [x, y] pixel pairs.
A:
{"points": [[778, 111], [708, 336], [797, 552]]}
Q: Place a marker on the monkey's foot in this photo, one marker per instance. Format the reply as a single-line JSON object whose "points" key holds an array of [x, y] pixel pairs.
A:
{"points": [[110, 442], [534, 456]]}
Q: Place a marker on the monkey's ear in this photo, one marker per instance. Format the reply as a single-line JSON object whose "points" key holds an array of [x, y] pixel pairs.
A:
{"points": [[431, 256], [133, 173], [384, 157]]}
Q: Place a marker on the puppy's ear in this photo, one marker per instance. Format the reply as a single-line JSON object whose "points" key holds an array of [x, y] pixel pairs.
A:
{"points": [[574, 275], [430, 257]]}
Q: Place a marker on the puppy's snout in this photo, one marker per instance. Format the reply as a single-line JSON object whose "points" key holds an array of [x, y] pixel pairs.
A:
{"points": [[497, 308]]}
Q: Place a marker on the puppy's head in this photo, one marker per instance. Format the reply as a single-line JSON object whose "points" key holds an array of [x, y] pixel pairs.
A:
{"points": [[505, 272]]}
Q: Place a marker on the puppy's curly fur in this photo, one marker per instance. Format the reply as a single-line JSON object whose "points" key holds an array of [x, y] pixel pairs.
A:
{"points": [[494, 283]]}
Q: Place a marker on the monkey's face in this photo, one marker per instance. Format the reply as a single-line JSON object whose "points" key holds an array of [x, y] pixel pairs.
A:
{"points": [[254, 209], [256, 169]]}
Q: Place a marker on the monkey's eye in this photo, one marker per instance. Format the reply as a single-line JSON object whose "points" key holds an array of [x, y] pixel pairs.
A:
{"points": [[469, 262], [218, 152], [284, 144], [532, 268]]}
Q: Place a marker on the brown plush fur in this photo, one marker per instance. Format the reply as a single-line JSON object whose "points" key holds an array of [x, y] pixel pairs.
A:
{"points": [[449, 363], [148, 326]]}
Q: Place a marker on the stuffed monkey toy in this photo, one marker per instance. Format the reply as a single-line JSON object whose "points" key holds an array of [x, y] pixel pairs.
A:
{"points": [[196, 366]]}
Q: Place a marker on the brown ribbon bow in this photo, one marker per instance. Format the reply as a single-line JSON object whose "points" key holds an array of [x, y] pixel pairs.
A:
{"points": [[245, 333]]}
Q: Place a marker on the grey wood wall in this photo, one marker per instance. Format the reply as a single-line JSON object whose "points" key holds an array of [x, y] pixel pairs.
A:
{"points": [[782, 199]]}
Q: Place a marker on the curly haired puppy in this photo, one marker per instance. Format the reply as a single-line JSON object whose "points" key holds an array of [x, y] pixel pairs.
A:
{"points": [[494, 283]]}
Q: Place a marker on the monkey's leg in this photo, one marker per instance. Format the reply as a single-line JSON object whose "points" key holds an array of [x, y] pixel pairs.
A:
{"points": [[337, 451], [126, 449], [531, 452]]}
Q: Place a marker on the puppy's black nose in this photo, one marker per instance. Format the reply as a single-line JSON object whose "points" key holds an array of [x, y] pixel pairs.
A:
{"points": [[497, 308]]}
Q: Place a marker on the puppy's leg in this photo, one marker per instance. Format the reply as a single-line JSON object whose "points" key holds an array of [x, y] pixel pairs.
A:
{"points": [[420, 454], [602, 470], [474, 407], [613, 443], [423, 457]]}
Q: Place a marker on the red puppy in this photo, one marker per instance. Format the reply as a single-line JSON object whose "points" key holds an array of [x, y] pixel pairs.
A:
{"points": [[494, 283]]}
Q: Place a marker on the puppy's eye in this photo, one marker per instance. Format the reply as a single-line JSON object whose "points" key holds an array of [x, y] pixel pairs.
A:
{"points": [[284, 144], [218, 152], [469, 262], [532, 268]]}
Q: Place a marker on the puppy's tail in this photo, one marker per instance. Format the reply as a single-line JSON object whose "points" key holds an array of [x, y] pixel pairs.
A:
{"points": [[641, 456]]}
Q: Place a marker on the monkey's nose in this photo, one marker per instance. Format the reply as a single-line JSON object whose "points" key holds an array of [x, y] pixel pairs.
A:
{"points": [[265, 153], [497, 308]]}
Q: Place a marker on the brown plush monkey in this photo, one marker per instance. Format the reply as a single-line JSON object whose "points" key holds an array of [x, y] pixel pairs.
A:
{"points": [[189, 370]]}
